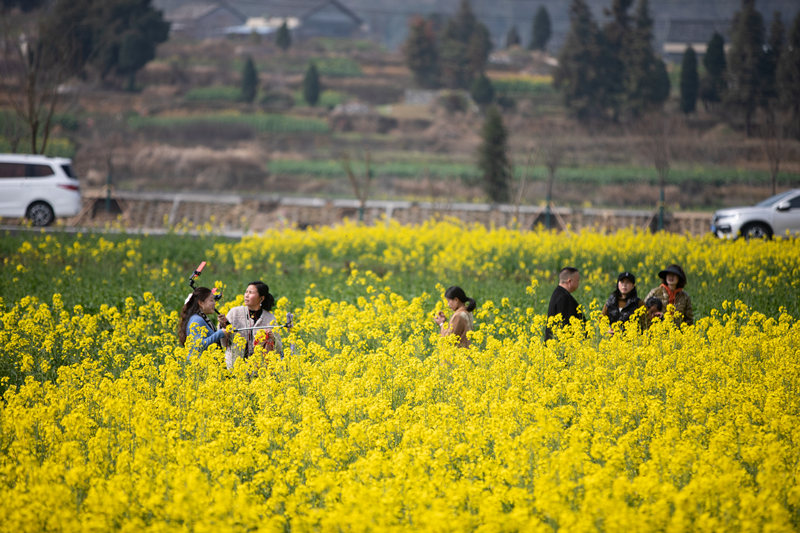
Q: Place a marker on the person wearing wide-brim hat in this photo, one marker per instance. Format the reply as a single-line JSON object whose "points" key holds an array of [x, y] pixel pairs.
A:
{"points": [[623, 302], [672, 292]]}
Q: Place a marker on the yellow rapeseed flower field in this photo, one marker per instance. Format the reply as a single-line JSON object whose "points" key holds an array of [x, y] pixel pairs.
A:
{"points": [[371, 421]]}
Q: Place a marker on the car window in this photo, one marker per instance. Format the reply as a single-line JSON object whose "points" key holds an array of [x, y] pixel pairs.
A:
{"points": [[68, 170], [39, 171], [794, 203], [774, 199], [12, 170]]}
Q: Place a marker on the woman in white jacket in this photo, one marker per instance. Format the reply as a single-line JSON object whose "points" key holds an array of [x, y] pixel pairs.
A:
{"points": [[256, 312]]}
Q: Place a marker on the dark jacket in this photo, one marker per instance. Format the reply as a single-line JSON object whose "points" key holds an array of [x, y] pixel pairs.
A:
{"points": [[564, 304], [615, 314]]}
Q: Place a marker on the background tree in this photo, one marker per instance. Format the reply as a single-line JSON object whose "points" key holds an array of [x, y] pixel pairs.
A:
{"points": [[776, 42], [464, 48], [114, 22], [311, 85], [422, 54], [35, 62], [133, 55], [361, 186], [646, 81], [712, 86], [482, 90], [656, 129], [745, 62], [493, 157], [620, 56], [581, 74], [249, 81], [788, 78], [283, 38], [553, 151], [541, 30], [512, 37], [690, 81]]}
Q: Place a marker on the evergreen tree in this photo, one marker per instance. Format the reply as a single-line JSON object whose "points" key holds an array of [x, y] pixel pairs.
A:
{"points": [[788, 77], [455, 73], [541, 30], [422, 54], [713, 84], [493, 157], [464, 48], [111, 24], [512, 37], [249, 81], [482, 90], [283, 38], [581, 73], [690, 83], [311, 85], [478, 47], [772, 55], [745, 62], [624, 60], [132, 56], [646, 83]]}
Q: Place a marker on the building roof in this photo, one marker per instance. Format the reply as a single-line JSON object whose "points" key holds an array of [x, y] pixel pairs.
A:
{"points": [[197, 10], [301, 9]]}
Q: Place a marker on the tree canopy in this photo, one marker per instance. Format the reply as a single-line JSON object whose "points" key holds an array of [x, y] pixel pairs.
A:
{"points": [[746, 62], [311, 85], [613, 72], [249, 80], [541, 29], [582, 66], [512, 37], [788, 76], [452, 59], [712, 86], [493, 157], [422, 54], [283, 38], [464, 50], [690, 83]]}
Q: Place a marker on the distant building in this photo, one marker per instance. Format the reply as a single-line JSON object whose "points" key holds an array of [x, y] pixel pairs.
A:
{"points": [[306, 18], [319, 18], [204, 20], [695, 33]]}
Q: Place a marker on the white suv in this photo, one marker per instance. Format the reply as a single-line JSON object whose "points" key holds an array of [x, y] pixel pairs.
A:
{"points": [[777, 215], [38, 187]]}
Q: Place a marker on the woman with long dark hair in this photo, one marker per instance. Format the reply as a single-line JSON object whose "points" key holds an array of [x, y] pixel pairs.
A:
{"points": [[461, 321], [256, 312], [194, 325]]}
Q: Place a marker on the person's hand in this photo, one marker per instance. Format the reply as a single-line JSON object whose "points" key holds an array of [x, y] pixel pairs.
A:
{"points": [[223, 321], [440, 318]]}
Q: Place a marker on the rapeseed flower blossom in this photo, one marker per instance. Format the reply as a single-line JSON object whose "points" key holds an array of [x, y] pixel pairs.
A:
{"points": [[374, 422]]}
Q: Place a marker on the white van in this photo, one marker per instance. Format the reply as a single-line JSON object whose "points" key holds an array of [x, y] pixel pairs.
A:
{"points": [[39, 188]]}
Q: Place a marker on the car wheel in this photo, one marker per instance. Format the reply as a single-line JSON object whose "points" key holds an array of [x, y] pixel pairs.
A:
{"points": [[40, 214], [756, 230]]}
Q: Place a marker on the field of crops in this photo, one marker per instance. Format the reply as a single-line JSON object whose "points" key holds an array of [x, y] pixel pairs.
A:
{"points": [[371, 421], [260, 122], [467, 171]]}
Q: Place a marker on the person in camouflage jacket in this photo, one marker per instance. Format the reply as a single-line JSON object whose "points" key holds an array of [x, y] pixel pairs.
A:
{"points": [[671, 292]]}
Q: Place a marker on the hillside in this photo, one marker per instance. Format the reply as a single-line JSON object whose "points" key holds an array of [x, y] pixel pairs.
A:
{"points": [[186, 130]]}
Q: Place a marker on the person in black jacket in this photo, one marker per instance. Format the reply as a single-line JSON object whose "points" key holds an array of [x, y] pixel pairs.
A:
{"points": [[624, 301], [562, 303]]}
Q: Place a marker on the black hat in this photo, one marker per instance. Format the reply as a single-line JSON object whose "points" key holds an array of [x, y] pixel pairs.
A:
{"points": [[674, 269], [626, 275]]}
